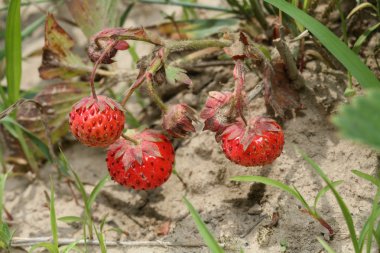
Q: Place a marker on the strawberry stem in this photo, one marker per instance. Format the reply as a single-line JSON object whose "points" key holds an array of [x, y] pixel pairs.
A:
{"points": [[153, 94], [92, 77], [129, 139], [132, 89], [239, 76]]}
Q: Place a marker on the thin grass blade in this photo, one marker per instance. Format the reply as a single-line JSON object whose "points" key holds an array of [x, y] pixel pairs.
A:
{"points": [[362, 38], [361, 7], [345, 211], [96, 190], [325, 245], [367, 177], [203, 230], [70, 219], [53, 218], [13, 51], [323, 191]]}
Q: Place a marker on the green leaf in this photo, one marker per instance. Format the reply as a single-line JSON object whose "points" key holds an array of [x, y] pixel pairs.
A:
{"points": [[174, 74], [361, 7], [3, 179], [345, 211], [360, 120], [340, 50], [270, 182], [53, 219], [367, 177], [323, 191], [93, 16], [13, 51], [96, 190], [48, 246], [325, 245], [70, 219], [5, 236], [69, 248], [359, 42], [100, 237], [58, 61], [209, 239]]}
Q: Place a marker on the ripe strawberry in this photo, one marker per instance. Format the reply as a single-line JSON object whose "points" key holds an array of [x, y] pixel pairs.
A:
{"points": [[97, 123], [259, 143], [142, 166]]}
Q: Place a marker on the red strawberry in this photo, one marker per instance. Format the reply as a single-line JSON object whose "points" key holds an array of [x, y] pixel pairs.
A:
{"points": [[142, 166], [259, 143], [97, 123]]}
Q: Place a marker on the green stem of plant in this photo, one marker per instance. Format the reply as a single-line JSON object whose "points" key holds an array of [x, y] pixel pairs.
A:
{"points": [[172, 46], [188, 4], [259, 14], [26, 150], [128, 138], [153, 94], [343, 20]]}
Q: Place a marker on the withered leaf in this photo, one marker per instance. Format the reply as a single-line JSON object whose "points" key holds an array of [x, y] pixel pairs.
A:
{"points": [[58, 61], [279, 93]]}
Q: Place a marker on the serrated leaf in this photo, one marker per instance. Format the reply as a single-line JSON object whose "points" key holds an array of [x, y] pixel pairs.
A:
{"points": [[360, 120], [174, 74], [58, 61], [94, 15]]}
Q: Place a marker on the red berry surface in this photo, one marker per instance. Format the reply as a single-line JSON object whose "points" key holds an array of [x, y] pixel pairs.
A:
{"points": [[142, 166], [259, 143], [97, 123]]}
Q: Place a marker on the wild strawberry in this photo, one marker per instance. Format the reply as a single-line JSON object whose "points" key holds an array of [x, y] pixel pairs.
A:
{"points": [[216, 110], [97, 123], [177, 121], [259, 143], [143, 165]]}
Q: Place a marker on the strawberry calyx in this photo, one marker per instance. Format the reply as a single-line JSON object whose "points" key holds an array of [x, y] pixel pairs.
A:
{"points": [[101, 103], [256, 126], [217, 111], [145, 145]]}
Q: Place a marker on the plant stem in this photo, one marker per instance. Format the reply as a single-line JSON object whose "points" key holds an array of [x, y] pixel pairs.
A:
{"points": [[153, 94], [133, 87], [129, 139], [172, 46], [239, 76], [92, 77], [188, 5]]}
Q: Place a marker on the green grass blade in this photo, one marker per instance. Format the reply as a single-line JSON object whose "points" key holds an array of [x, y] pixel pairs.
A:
{"points": [[340, 50], [100, 237], [125, 14], [203, 230], [345, 211], [96, 190], [53, 218], [47, 245], [3, 179], [303, 202], [362, 38], [325, 245], [33, 26], [323, 191], [377, 234], [68, 248], [367, 177], [70, 219], [13, 51], [361, 7], [271, 182]]}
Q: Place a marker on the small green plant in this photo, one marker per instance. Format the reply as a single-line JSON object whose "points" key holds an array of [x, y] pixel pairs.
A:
{"points": [[53, 247], [207, 236], [88, 199], [5, 233], [370, 230]]}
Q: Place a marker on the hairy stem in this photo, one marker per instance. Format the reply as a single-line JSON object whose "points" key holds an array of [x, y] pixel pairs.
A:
{"points": [[153, 94], [129, 139], [92, 77], [172, 46], [132, 89]]}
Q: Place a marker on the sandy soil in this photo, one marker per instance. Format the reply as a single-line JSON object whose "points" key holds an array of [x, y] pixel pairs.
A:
{"points": [[239, 214]]}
